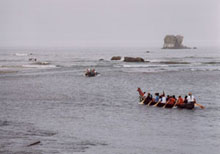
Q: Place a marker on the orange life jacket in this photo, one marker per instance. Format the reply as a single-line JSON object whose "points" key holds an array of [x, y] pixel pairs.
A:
{"points": [[180, 100], [172, 101]]}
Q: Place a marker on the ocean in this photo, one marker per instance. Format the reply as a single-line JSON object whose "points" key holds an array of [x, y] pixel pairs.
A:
{"points": [[51, 101]]}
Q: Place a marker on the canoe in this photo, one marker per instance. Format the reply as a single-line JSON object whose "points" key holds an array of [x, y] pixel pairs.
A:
{"points": [[91, 74], [185, 106]]}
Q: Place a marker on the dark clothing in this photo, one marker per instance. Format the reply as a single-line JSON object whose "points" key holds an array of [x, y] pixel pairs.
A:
{"points": [[148, 99]]}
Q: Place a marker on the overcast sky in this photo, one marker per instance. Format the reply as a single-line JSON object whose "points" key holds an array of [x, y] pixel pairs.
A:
{"points": [[107, 22]]}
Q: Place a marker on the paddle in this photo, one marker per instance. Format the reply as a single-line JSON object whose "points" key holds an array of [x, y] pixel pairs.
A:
{"points": [[149, 103], [175, 104], [157, 103], [201, 106], [142, 102], [166, 104]]}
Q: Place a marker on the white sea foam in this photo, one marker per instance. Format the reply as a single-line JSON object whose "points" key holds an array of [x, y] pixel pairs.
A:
{"points": [[22, 54], [39, 66], [135, 66], [143, 66]]}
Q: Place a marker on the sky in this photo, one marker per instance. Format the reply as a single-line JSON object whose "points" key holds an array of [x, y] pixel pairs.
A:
{"points": [[107, 22]]}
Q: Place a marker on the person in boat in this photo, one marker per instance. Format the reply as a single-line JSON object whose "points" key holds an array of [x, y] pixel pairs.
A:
{"points": [[172, 100], [148, 98], [163, 99], [180, 102], [93, 72], [157, 97], [191, 100], [87, 71], [185, 100], [168, 97]]}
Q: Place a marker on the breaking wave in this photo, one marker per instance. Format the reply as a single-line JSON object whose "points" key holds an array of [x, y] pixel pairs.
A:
{"points": [[38, 66], [27, 66], [143, 66], [23, 54], [173, 62]]}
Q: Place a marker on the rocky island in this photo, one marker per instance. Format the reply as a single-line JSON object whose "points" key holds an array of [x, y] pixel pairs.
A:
{"points": [[174, 42]]}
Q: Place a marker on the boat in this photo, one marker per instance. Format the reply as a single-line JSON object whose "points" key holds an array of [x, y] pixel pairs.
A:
{"points": [[143, 100], [91, 73], [152, 103]]}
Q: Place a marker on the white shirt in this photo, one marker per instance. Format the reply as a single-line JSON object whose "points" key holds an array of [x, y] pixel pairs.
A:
{"points": [[163, 100], [191, 98]]}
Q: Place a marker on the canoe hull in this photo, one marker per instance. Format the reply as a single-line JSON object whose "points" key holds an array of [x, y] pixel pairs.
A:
{"points": [[169, 106], [160, 104], [184, 106]]}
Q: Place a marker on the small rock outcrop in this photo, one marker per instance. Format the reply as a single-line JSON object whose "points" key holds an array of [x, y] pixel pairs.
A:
{"points": [[116, 58], [42, 63], [132, 59], [32, 59], [174, 42]]}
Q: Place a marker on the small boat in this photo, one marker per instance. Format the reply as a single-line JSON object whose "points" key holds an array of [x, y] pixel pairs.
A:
{"points": [[91, 73]]}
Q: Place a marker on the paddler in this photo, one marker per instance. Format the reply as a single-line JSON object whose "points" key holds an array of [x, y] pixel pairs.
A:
{"points": [[157, 97], [180, 103], [148, 99], [163, 98], [191, 100], [172, 100]]}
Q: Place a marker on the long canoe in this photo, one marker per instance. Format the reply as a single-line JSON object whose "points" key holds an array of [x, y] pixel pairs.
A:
{"points": [[184, 106]]}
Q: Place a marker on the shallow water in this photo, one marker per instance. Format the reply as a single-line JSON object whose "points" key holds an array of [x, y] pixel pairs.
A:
{"points": [[70, 113]]}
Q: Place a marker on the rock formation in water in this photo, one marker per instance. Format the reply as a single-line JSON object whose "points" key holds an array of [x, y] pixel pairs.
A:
{"points": [[132, 59], [116, 58], [174, 42]]}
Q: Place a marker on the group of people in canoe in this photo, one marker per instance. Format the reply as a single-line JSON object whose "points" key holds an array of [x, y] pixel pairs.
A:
{"points": [[91, 72], [161, 100]]}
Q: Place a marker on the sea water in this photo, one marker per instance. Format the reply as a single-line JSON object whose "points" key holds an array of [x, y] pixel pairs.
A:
{"points": [[51, 101]]}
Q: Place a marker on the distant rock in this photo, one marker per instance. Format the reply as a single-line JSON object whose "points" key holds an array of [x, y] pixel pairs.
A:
{"points": [[132, 59], [42, 63], [174, 42], [116, 58], [32, 59]]}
